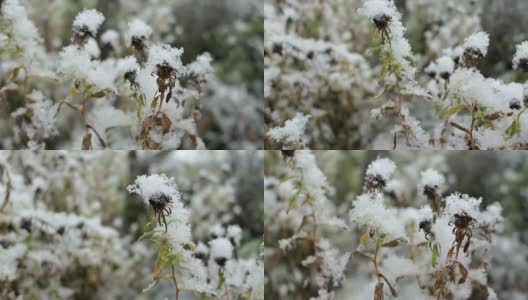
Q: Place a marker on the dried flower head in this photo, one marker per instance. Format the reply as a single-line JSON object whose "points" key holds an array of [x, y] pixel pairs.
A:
{"points": [[167, 65], [463, 229], [136, 37], [221, 250], [379, 173], [426, 226], [159, 192], [161, 204], [382, 22], [475, 48], [85, 26]]}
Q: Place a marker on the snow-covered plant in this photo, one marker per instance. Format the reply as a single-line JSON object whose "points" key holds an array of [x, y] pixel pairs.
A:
{"points": [[69, 231], [121, 80], [310, 69], [55, 240], [432, 246], [308, 212], [214, 270], [430, 95], [172, 234]]}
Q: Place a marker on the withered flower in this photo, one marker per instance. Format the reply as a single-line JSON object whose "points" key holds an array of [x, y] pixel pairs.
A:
{"points": [[160, 203], [166, 80], [426, 226], [382, 23], [130, 76], [375, 182], [472, 57], [463, 229]]}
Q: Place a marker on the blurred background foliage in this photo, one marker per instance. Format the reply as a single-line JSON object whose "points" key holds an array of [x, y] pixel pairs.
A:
{"points": [[219, 188], [504, 20]]}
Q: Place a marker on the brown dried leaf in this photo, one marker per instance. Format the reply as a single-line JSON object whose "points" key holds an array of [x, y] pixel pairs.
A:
{"points": [[166, 123], [450, 252], [169, 95], [154, 103], [463, 272], [364, 255], [392, 244], [87, 141], [466, 246], [378, 292]]}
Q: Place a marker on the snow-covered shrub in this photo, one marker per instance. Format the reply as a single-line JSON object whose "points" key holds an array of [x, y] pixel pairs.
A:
{"points": [[69, 231], [418, 85], [120, 81], [402, 236]]}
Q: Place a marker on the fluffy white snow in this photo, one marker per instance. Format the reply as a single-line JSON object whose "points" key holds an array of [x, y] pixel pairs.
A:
{"points": [[383, 167], [431, 178], [149, 185], [521, 52], [478, 41], [221, 248], [292, 133], [137, 29], [90, 19]]}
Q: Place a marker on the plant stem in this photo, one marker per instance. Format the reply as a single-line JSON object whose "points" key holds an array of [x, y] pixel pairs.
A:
{"points": [[402, 117], [175, 283], [471, 139]]}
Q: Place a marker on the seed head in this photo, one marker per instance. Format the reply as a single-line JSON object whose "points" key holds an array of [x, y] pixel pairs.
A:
{"points": [[382, 22]]}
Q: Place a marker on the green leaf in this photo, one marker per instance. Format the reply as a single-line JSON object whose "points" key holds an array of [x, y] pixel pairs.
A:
{"points": [[139, 106], [146, 234], [463, 273], [364, 239], [514, 129], [435, 256], [287, 178], [453, 110], [99, 94]]}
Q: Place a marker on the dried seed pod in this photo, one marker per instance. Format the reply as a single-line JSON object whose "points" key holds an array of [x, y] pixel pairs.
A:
{"points": [[160, 203], [472, 57], [515, 104], [523, 64], [382, 22], [426, 226], [131, 78], [374, 183], [277, 49]]}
